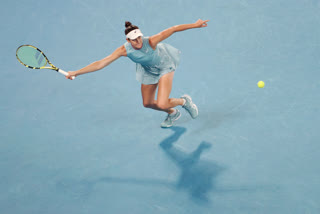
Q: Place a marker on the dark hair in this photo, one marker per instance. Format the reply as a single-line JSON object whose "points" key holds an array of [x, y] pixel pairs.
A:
{"points": [[129, 27]]}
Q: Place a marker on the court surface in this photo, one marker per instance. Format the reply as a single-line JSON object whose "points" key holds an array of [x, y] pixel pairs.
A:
{"points": [[89, 145]]}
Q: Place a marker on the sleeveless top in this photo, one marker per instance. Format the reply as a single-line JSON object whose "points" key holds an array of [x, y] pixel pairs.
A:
{"points": [[163, 59]]}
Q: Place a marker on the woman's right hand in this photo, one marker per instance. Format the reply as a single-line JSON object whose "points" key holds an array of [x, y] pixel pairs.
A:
{"points": [[71, 75]]}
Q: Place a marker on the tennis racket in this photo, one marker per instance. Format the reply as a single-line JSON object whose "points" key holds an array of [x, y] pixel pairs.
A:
{"points": [[33, 58]]}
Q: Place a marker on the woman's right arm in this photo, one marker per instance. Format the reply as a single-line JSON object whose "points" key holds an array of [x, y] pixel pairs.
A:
{"points": [[98, 65]]}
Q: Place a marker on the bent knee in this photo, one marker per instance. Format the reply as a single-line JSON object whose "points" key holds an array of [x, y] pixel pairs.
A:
{"points": [[162, 105], [147, 105]]}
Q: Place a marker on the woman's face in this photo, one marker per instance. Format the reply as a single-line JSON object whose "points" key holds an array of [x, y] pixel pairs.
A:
{"points": [[136, 43]]}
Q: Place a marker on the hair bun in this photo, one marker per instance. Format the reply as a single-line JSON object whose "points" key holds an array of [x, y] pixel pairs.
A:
{"points": [[129, 27], [128, 24]]}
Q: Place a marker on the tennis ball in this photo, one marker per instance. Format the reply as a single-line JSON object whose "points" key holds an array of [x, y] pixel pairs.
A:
{"points": [[260, 84]]}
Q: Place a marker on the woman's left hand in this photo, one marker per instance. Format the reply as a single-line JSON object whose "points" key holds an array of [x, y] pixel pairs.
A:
{"points": [[201, 23]]}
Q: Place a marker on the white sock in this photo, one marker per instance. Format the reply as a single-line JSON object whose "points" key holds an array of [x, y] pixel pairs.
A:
{"points": [[184, 102], [174, 112]]}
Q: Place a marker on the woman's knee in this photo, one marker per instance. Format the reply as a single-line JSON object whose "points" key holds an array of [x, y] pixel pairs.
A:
{"points": [[156, 105], [162, 105], [147, 105]]}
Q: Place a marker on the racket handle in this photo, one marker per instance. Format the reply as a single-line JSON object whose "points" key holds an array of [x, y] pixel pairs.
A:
{"points": [[65, 73]]}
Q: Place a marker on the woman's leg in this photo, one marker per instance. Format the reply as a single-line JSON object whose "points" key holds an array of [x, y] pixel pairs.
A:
{"points": [[163, 102], [164, 90], [148, 93]]}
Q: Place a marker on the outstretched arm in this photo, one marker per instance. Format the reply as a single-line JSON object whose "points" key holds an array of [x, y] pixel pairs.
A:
{"points": [[154, 40], [95, 66]]}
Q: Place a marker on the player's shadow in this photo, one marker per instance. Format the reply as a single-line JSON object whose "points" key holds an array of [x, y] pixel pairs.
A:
{"points": [[197, 176]]}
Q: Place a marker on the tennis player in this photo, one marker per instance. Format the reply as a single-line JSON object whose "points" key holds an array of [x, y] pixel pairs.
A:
{"points": [[155, 66]]}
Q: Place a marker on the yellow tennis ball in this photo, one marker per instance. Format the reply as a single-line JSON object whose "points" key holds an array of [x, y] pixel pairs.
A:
{"points": [[260, 84]]}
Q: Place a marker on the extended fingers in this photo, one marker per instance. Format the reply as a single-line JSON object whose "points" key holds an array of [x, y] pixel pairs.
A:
{"points": [[202, 23], [205, 24]]}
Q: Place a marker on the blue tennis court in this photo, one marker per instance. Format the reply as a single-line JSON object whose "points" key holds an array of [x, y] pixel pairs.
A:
{"points": [[89, 145]]}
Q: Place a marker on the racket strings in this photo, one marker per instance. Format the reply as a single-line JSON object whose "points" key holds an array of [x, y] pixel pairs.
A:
{"points": [[31, 57]]}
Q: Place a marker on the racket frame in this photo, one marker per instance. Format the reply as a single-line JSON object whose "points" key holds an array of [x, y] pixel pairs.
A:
{"points": [[42, 67]]}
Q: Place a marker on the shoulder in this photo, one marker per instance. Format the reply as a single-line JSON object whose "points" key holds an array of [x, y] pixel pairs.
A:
{"points": [[152, 43], [121, 51]]}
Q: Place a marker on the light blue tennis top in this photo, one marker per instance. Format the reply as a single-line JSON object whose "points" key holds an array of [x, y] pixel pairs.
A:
{"points": [[152, 64]]}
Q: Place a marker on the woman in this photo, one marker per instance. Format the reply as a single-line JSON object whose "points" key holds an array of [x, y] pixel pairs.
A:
{"points": [[156, 63]]}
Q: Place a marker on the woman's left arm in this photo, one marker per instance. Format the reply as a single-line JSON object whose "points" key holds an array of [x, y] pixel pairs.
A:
{"points": [[154, 40]]}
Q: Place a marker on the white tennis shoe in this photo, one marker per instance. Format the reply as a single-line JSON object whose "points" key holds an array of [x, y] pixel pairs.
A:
{"points": [[168, 122], [189, 106]]}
